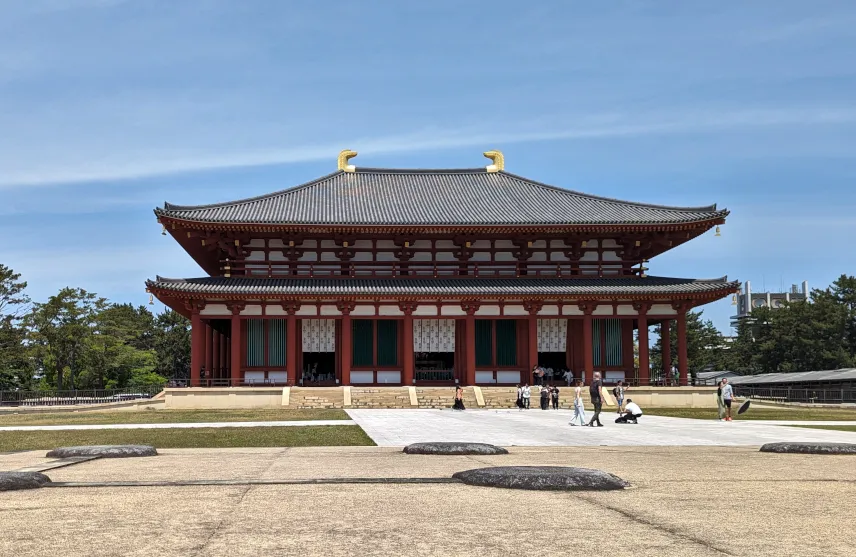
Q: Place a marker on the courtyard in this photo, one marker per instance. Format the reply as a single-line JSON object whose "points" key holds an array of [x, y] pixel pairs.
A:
{"points": [[693, 501]]}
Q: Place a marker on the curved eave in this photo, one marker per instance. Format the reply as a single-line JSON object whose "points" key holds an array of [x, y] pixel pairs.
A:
{"points": [[706, 222]]}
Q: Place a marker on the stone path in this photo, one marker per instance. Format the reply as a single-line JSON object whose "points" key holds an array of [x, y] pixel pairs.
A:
{"points": [[293, 423], [532, 428]]}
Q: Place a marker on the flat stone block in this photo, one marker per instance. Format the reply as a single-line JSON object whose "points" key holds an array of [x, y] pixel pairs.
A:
{"points": [[104, 451], [454, 449], [11, 481], [546, 478], [810, 448]]}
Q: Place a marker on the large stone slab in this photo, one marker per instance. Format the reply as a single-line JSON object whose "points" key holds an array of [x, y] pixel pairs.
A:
{"points": [[104, 451], [810, 448], [10, 481], [549, 478], [454, 449]]}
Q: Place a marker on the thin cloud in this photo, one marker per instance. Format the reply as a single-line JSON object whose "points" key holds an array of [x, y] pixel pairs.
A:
{"points": [[585, 127]]}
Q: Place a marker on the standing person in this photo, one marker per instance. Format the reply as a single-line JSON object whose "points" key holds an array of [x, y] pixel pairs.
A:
{"points": [[579, 417], [727, 397], [535, 374], [555, 393], [527, 394], [596, 399], [459, 399], [545, 398], [719, 404], [541, 376], [618, 392], [569, 377], [519, 397]]}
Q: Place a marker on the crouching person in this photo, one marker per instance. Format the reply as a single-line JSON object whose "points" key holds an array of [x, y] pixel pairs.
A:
{"points": [[631, 414]]}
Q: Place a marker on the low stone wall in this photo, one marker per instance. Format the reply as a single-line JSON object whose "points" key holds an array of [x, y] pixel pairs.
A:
{"points": [[399, 397]]}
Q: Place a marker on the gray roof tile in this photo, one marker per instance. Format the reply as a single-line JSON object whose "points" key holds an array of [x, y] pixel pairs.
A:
{"points": [[434, 197], [442, 287]]}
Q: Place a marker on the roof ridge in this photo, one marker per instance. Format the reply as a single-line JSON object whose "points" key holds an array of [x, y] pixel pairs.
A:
{"points": [[700, 209], [649, 278]]}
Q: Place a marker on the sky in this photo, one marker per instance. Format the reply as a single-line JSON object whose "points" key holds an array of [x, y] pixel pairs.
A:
{"points": [[108, 108]]}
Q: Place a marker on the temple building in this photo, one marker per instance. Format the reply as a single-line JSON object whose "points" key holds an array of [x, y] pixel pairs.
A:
{"points": [[375, 276]]}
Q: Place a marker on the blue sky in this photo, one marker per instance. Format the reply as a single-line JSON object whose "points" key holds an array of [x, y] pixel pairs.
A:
{"points": [[110, 107]]}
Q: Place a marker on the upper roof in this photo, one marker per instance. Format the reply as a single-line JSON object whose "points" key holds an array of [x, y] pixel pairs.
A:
{"points": [[374, 196]]}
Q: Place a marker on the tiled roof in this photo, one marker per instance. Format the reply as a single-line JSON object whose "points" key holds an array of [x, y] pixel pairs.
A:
{"points": [[630, 286], [847, 374], [434, 197]]}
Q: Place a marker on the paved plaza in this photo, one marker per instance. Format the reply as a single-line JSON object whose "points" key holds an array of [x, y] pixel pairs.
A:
{"points": [[685, 501], [549, 428]]}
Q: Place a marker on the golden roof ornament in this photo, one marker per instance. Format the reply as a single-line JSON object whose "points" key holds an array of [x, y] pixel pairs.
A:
{"points": [[345, 156], [498, 160]]}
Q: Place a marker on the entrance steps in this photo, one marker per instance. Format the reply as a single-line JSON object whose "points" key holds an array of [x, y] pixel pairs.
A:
{"points": [[380, 397], [316, 397], [443, 397]]}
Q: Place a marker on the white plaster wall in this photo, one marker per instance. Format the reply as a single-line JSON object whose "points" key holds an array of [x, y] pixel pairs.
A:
{"points": [[452, 310], [307, 310], [363, 310], [549, 310], [603, 310], [515, 310], [488, 310], [626, 310], [425, 310], [252, 310], [216, 309], [390, 311], [662, 309]]}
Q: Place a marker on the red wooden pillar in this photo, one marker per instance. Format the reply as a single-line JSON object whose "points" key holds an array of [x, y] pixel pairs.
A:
{"points": [[209, 346], [588, 346], [533, 308], [407, 333], [470, 336], [666, 345], [644, 361], [345, 349], [235, 345], [224, 357], [213, 372], [197, 345], [291, 342], [683, 363]]}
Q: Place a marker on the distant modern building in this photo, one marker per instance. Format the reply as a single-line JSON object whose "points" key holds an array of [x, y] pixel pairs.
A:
{"points": [[749, 301], [713, 377]]}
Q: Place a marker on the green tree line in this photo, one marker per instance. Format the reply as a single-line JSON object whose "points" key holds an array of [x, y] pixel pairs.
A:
{"points": [[815, 334], [78, 340]]}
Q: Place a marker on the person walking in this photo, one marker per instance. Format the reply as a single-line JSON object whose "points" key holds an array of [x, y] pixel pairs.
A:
{"points": [[535, 374], [579, 417], [527, 394], [596, 399], [519, 397], [555, 394], [719, 404], [618, 393], [545, 398], [727, 397]]}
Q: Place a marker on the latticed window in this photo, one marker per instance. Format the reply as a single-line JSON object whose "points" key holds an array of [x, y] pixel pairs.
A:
{"points": [[606, 342], [496, 342], [266, 342], [374, 342]]}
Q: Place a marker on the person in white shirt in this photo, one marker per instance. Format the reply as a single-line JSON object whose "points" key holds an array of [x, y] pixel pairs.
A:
{"points": [[527, 394], [631, 415]]}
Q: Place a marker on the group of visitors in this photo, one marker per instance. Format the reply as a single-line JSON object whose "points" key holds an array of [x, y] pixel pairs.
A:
{"points": [[629, 413], [547, 394], [542, 375]]}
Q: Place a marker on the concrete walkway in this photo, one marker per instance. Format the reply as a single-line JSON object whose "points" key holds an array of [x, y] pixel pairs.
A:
{"points": [[532, 428], [293, 423]]}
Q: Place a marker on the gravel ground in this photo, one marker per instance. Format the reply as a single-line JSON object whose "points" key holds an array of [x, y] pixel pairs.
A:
{"points": [[694, 501]]}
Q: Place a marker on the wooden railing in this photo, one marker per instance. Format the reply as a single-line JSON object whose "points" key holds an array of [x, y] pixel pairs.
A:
{"points": [[431, 269]]}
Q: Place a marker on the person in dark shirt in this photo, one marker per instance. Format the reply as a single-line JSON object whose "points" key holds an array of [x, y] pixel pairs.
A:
{"points": [[545, 398], [555, 395], [596, 400]]}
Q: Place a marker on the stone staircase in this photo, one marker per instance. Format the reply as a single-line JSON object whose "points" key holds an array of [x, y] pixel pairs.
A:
{"points": [[316, 397], [443, 397], [380, 397]]}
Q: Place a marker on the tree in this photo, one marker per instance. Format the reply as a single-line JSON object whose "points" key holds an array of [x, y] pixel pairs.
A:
{"points": [[15, 369], [121, 348], [59, 333], [172, 345], [705, 346]]}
